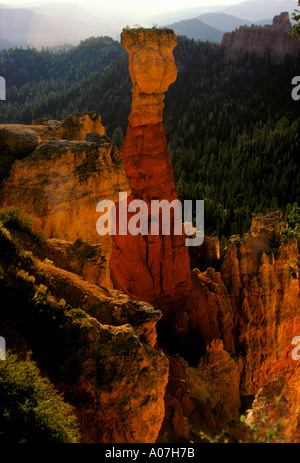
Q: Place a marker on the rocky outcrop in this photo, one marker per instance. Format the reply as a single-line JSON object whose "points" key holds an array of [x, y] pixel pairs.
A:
{"points": [[60, 182], [266, 301], [17, 141], [151, 267], [260, 39], [236, 330], [252, 304], [74, 127], [100, 357], [214, 384], [179, 406]]}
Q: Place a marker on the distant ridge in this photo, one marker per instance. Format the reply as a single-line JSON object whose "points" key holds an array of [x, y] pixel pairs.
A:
{"points": [[226, 22], [260, 39], [255, 10], [54, 24], [197, 30]]}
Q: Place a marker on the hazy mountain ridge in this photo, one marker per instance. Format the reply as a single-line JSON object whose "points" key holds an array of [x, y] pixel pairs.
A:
{"points": [[228, 23], [211, 26], [55, 24], [255, 10], [197, 30], [273, 38]]}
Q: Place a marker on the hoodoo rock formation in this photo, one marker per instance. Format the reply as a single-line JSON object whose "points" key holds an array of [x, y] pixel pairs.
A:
{"points": [[150, 267], [249, 308], [260, 39]]}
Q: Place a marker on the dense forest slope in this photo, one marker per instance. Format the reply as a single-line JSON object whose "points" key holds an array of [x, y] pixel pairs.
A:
{"points": [[223, 120]]}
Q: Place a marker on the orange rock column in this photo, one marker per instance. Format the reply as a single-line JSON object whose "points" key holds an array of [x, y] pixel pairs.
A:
{"points": [[150, 267]]}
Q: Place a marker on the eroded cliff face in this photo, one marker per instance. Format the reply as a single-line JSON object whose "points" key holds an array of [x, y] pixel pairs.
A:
{"points": [[100, 357], [62, 178], [260, 39], [150, 267], [251, 305], [266, 301]]}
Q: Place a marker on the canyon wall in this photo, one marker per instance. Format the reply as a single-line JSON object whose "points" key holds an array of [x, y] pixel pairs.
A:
{"points": [[260, 39], [247, 314]]}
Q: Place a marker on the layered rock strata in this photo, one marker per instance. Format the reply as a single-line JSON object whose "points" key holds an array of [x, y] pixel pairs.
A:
{"points": [[252, 304], [100, 357], [17, 140], [150, 267], [274, 38], [60, 181]]}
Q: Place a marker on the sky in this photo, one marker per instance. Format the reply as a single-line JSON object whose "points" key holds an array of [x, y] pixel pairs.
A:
{"points": [[157, 5]]}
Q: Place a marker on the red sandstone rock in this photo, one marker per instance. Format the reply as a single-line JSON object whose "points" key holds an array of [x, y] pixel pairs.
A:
{"points": [[178, 404], [150, 267], [214, 384], [253, 305]]}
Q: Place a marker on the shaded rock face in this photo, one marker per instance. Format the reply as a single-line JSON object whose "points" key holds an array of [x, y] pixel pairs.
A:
{"points": [[260, 39], [103, 359], [214, 384], [149, 267], [207, 255]]}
